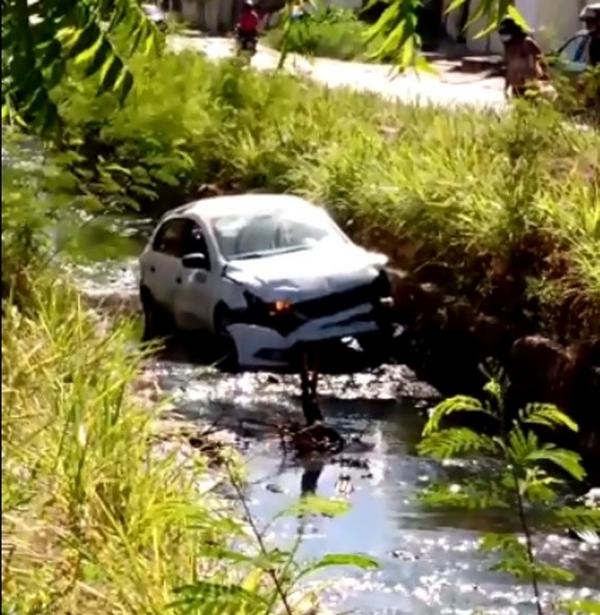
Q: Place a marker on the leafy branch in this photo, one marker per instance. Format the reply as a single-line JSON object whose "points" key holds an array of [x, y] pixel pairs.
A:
{"points": [[279, 568], [42, 39], [397, 28], [530, 473]]}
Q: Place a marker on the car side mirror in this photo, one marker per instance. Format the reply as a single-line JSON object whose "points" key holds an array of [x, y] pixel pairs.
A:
{"points": [[196, 260]]}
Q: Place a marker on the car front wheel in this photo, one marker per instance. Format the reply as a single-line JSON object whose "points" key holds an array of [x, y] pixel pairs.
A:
{"points": [[229, 361], [157, 322]]}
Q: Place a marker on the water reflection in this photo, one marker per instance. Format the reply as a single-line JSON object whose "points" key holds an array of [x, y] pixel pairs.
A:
{"points": [[430, 562]]}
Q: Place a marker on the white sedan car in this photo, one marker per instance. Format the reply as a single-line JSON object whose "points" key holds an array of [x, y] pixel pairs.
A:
{"points": [[266, 274]]}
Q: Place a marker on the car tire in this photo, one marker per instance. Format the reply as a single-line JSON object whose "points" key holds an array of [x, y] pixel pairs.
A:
{"points": [[376, 345], [157, 321], [229, 361]]}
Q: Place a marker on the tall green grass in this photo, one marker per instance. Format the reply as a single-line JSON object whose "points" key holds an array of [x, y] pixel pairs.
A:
{"points": [[512, 195], [92, 521]]}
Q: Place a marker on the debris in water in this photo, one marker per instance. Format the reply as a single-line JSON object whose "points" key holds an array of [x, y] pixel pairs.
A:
{"points": [[352, 462]]}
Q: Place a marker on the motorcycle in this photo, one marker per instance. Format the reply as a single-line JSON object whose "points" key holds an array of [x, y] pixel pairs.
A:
{"points": [[246, 45]]}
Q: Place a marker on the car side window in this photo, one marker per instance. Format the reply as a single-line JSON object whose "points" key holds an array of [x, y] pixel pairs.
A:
{"points": [[169, 238], [194, 241]]}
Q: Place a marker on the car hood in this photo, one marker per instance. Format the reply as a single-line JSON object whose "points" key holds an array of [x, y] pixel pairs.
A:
{"points": [[306, 274]]}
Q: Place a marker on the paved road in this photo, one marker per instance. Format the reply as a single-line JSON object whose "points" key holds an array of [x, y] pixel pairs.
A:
{"points": [[446, 88]]}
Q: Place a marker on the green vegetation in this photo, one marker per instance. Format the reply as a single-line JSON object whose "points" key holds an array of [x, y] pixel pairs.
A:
{"points": [[326, 32], [528, 479], [42, 40], [494, 197]]}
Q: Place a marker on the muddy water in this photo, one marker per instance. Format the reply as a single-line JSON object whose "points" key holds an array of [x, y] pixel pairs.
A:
{"points": [[429, 561]]}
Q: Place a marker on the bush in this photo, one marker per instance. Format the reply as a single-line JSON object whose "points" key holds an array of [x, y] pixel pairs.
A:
{"points": [[326, 32], [579, 96]]}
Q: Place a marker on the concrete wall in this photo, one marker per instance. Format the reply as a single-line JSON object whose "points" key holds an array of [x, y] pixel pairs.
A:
{"points": [[346, 4], [212, 16], [552, 22]]}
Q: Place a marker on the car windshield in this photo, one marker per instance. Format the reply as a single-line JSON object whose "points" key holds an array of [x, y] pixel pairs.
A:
{"points": [[255, 235]]}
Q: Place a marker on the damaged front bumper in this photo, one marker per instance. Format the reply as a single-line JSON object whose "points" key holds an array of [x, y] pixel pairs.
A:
{"points": [[262, 346]]}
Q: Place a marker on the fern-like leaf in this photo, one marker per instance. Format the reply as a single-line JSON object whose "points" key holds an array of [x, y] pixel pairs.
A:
{"points": [[40, 38], [459, 403], [473, 494], [456, 442], [568, 461], [581, 607], [577, 518], [547, 415]]}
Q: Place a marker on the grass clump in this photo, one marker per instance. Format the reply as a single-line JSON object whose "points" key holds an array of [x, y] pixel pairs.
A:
{"points": [[92, 521], [329, 32]]}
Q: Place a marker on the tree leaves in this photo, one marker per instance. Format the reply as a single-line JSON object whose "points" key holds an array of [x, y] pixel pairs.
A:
{"points": [[581, 607], [397, 27], [568, 461], [515, 560], [315, 505], [459, 403], [364, 562], [456, 442], [42, 39], [577, 518], [548, 415], [526, 480]]}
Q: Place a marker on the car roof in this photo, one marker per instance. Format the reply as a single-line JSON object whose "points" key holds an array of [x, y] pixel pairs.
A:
{"points": [[232, 205]]}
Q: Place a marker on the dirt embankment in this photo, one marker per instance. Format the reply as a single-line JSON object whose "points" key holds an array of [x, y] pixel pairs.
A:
{"points": [[448, 338]]}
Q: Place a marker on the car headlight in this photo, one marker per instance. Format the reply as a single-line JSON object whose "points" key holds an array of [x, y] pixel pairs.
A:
{"points": [[277, 315], [275, 308], [280, 307]]}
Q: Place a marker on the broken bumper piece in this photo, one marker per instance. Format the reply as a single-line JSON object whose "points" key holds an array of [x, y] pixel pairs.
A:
{"points": [[262, 347]]}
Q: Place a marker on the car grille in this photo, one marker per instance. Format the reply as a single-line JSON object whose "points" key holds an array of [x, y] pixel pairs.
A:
{"points": [[336, 302]]}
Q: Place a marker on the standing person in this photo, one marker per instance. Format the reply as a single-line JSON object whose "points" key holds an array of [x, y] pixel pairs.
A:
{"points": [[523, 57], [591, 18]]}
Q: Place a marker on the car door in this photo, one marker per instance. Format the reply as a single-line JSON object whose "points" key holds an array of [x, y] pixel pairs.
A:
{"points": [[162, 265], [195, 289]]}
